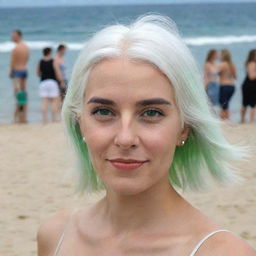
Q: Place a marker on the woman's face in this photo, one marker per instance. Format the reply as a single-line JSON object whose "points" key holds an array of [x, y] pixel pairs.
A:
{"points": [[130, 115]]}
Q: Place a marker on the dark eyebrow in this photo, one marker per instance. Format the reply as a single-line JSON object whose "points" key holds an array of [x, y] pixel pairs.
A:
{"points": [[101, 101], [153, 101]]}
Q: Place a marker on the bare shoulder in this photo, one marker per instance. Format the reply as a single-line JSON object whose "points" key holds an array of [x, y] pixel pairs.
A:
{"points": [[225, 243], [49, 233]]}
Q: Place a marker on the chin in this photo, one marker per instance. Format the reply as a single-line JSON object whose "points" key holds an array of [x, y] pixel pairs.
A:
{"points": [[127, 188]]}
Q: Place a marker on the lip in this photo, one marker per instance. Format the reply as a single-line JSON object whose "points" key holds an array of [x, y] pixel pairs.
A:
{"points": [[127, 164]]}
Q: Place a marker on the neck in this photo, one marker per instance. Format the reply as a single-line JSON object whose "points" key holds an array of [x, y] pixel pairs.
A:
{"points": [[142, 211], [47, 57]]}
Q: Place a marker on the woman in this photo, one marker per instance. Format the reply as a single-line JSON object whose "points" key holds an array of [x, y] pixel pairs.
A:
{"points": [[227, 83], [48, 89], [137, 115], [211, 76], [249, 87]]}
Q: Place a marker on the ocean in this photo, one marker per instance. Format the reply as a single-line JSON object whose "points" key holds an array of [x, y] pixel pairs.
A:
{"points": [[203, 26]]}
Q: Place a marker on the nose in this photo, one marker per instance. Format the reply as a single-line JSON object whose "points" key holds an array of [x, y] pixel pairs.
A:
{"points": [[126, 136]]}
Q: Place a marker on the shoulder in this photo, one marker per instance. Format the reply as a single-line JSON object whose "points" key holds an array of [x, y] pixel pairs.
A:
{"points": [[24, 45], [56, 61], [50, 231], [225, 243], [57, 58], [15, 49]]}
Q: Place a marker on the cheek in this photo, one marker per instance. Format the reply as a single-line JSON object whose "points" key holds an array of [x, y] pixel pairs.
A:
{"points": [[161, 143], [97, 139]]}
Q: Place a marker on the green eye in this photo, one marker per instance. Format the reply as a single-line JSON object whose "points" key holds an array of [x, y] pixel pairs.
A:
{"points": [[104, 112], [152, 113], [101, 112]]}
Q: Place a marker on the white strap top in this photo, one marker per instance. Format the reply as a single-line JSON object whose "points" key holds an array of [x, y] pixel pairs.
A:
{"points": [[64, 231], [204, 239], [193, 253]]}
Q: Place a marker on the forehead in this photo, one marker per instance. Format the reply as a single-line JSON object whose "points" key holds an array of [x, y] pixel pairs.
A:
{"points": [[127, 79]]}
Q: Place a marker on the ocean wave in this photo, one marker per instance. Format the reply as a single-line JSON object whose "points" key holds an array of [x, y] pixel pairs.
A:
{"points": [[198, 41], [193, 41], [39, 45]]}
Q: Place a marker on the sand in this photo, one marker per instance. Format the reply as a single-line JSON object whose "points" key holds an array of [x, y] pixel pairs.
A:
{"points": [[35, 182]]}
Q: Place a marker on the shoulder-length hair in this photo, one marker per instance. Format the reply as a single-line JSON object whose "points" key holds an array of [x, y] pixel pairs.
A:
{"points": [[210, 55], [155, 39], [226, 57]]}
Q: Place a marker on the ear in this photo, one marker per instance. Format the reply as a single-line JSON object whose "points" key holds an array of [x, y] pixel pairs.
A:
{"points": [[183, 135]]}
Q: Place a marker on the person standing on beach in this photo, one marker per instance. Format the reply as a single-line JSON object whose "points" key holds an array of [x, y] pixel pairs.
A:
{"points": [[18, 73], [227, 75], [49, 92], [62, 69], [211, 77], [249, 87]]}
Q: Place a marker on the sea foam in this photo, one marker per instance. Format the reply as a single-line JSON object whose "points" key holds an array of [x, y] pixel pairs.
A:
{"points": [[193, 41]]}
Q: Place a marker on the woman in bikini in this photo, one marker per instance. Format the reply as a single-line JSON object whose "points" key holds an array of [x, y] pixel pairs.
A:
{"points": [[137, 116], [211, 76], [228, 76]]}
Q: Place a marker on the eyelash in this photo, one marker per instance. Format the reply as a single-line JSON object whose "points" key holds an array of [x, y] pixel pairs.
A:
{"points": [[159, 112]]}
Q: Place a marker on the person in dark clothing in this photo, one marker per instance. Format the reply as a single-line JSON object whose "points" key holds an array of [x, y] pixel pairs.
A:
{"points": [[249, 87], [48, 88]]}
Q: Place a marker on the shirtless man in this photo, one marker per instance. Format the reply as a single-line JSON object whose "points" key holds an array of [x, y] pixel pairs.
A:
{"points": [[18, 73]]}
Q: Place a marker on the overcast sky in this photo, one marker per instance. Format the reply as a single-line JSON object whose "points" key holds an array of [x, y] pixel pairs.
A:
{"points": [[19, 3]]}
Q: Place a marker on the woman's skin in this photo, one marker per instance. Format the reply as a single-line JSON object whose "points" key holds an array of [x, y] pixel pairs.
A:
{"points": [[226, 80], [209, 68], [141, 213]]}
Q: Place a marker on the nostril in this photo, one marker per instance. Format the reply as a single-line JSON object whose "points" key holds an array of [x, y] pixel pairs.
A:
{"points": [[126, 143]]}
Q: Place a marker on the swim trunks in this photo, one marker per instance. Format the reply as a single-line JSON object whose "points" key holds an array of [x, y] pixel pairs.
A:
{"points": [[21, 99], [23, 74]]}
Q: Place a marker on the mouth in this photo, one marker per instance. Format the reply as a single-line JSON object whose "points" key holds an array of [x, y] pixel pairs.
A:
{"points": [[127, 164]]}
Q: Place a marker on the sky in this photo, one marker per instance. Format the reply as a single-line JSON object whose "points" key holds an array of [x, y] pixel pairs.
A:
{"points": [[26, 3]]}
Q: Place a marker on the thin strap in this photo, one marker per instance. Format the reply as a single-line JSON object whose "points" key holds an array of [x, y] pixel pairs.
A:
{"points": [[63, 233], [204, 239]]}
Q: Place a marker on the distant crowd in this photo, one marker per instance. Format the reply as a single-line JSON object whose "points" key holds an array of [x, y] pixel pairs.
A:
{"points": [[51, 72], [220, 82], [219, 78]]}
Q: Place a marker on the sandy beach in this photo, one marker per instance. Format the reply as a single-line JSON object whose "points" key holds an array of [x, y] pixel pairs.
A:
{"points": [[36, 182]]}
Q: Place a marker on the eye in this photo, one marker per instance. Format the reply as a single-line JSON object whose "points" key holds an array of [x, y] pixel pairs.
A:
{"points": [[150, 113], [102, 113]]}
